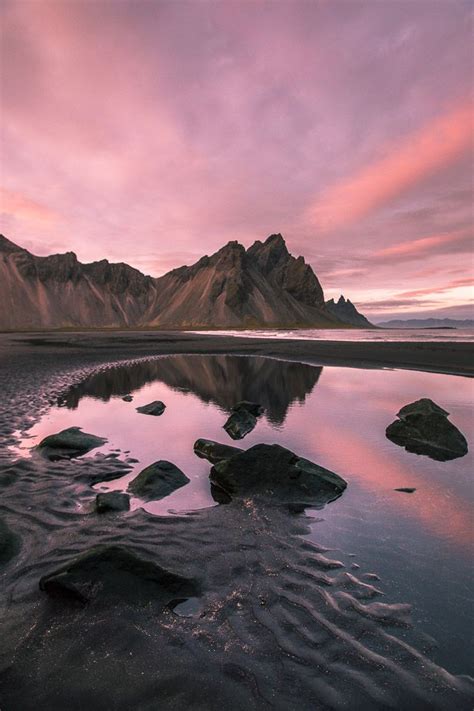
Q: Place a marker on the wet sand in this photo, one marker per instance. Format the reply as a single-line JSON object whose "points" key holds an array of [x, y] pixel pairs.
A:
{"points": [[442, 356], [279, 624]]}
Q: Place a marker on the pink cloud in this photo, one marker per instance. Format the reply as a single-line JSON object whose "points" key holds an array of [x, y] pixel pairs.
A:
{"points": [[404, 165], [21, 206]]}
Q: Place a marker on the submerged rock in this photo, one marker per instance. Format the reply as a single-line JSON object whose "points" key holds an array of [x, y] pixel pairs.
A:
{"points": [[10, 543], [423, 428], [214, 451], [127, 398], [114, 573], [72, 442], [153, 408], [112, 501], [406, 489], [157, 481], [243, 419], [273, 472]]}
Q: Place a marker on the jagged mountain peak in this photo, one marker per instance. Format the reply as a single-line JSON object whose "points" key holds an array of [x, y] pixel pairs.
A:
{"points": [[261, 286]]}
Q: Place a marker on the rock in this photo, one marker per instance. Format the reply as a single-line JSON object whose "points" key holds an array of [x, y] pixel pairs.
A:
{"points": [[153, 408], [240, 424], [423, 428], [112, 501], [114, 573], [214, 451], [10, 543], [157, 481], [72, 442], [406, 489], [127, 398], [243, 419], [273, 472]]}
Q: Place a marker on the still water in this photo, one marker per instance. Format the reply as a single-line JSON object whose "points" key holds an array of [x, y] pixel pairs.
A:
{"points": [[357, 334], [419, 544]]}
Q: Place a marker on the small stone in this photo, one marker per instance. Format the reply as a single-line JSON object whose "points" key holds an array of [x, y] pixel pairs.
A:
{"points": [[157, 481], [406, 489], [153, 408], [72, 442], [127, 398]]}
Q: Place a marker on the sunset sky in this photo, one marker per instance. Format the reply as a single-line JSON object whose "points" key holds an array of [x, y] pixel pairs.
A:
{"points": [[154, 132]]}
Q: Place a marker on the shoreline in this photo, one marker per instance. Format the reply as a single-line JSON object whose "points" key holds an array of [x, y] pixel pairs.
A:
{"points": [[454, 358]]}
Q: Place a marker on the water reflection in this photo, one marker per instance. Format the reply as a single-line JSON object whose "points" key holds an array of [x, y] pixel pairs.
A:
{"points": [[222, 380], [419, 544]]}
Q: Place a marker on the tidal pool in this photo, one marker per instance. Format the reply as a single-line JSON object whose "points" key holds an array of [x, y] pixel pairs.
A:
{"points": [[418, 544]]}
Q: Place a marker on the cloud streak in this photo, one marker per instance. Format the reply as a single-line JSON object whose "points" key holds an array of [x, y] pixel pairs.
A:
{"points": [[406, 163]]}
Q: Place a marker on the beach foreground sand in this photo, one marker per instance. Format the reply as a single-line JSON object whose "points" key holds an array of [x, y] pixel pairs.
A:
{"points": [[278, 623]]}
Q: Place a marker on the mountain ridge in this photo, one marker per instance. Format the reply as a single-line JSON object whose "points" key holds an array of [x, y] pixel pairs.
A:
{"points": [[263, 285]]}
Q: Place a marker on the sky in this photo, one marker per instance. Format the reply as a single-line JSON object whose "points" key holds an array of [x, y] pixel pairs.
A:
{"points": [[153, 132]]}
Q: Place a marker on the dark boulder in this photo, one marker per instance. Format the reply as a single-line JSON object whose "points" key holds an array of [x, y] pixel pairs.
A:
{"points": [[423, 428], [10, 543], [153, 408], [274, 473], [127, 398], [157, 481], [114, 574], [112, 501], [72, 442], [214, 451], [243, 419], [406, 489]]}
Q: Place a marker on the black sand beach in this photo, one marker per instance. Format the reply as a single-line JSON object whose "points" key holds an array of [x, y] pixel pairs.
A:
{"points": [[277, 624]]}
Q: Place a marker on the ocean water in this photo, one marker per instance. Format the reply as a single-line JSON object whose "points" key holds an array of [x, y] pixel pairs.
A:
{"points": [[359, 334], [417, 547]]}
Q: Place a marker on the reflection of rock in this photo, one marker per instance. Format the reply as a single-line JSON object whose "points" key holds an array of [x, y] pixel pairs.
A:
{"points": [[273, 472], [214, 451], [423, 428], [112, 501], [223, 380], [157, 481], [9, 543], [242, 419], [115, 573], [72, 442], [153, 408]]}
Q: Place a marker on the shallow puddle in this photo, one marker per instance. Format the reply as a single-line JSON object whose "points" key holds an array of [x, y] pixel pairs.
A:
{"points": [[419, 544]]}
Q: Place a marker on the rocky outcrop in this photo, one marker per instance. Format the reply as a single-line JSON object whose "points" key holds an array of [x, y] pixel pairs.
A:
{"points": [[345, 311], [423, 428], [214, 451], [235, 287], [72, 442], [157, 481], [277, 475], [112, 574]]}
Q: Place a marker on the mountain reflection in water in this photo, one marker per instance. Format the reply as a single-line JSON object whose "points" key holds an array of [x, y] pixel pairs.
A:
{"points": [[222, 380]]}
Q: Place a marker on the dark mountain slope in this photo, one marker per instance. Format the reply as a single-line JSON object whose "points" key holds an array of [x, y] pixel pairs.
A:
{"points": [[263, 286]]}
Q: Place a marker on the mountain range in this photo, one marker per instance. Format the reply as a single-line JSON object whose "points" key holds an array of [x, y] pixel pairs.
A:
{"points": [[262, 286]]}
